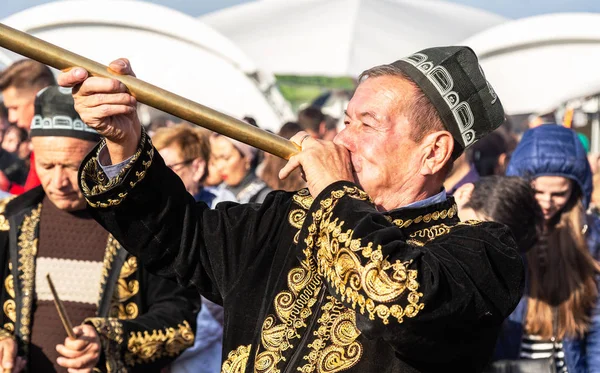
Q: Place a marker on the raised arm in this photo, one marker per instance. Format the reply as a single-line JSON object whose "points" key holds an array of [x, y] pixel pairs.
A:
{"points": [[146, 206]]}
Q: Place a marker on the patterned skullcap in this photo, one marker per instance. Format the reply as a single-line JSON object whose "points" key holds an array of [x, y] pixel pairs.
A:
{"points": [[55, 115], [454, 82]]}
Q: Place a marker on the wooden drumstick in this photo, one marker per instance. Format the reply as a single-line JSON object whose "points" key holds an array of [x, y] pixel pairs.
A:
{"points": [[61, 309]]}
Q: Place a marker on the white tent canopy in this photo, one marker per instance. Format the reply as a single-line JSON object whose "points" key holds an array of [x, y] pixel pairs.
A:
{"points": [[343, 37], [165, 47], [537, 63]]}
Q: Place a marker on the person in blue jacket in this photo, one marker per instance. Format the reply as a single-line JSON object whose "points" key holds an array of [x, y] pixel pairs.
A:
{"points": [[558, 316]]}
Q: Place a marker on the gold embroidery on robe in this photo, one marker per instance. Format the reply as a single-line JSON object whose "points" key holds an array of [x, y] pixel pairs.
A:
{"points": [[237, 360], [112, 246], [297, 216], [144, 347], [4, 333], [422, 236], [10, 309], [125, 290], [9, 285], [27, 243], [338, 258], [335, 347], [4, 224], [449, 213], [292, 306], [112, 331]]}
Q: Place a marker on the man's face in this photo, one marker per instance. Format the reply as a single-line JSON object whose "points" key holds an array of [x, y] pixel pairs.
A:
{"points": [[57, 160], [20, 105], [186, 169], [377, 135]]}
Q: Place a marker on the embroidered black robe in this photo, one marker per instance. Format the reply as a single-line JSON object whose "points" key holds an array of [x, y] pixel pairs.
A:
{"points": [[320, 285], [143, 321]]}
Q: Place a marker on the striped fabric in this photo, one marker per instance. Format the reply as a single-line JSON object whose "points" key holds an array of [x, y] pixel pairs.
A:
{"points": [[534, 347]]}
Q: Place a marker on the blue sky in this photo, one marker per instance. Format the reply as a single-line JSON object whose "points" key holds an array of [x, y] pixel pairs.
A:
{"points": [[507, 8]]}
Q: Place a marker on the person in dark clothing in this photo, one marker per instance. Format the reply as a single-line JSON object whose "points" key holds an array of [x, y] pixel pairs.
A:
{"points": [[128, 320], [367, 270]]}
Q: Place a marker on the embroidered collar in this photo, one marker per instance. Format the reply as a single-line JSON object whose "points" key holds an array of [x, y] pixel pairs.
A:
{"points": [[413, 219]]}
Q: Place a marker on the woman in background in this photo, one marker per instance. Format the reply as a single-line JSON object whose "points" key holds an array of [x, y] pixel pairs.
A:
{"points": [[557, 318]]}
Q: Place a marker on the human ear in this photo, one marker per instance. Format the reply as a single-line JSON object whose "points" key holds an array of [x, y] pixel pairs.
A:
{"points": [[437, 151]]}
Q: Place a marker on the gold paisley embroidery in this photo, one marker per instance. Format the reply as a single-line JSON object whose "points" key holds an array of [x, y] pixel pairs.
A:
{"points": [[27, 243], [111, 333], [335, 347], [297, 216], [9, 285], [10, 309], [147, 347], [339, 261], [236, 360], [125, 290], [125, 312], [292, 307], [129, 267]]}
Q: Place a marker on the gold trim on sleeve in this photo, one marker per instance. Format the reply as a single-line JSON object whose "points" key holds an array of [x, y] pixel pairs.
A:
{"points": [[101, 184], [145, 347], [110, 331]]}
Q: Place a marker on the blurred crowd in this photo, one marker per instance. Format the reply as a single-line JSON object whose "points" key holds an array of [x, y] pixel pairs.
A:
{"points": [[543, 184]]}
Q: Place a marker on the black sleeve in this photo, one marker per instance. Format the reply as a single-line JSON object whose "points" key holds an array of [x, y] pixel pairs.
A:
{"points": [[426, 301], [148, 210], [148, 341]]}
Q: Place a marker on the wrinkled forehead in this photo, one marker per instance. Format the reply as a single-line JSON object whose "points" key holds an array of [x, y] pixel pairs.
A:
{"points": [[60, 146], [381, 95]]}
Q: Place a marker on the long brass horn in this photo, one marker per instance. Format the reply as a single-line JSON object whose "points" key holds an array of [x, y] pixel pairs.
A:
{"points": [[62, 59]]}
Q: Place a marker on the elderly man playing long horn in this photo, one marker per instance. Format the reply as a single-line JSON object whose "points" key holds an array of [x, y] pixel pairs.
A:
{"points": [[367, 270]]}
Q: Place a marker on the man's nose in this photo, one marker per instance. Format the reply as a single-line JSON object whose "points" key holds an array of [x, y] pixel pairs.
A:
{"points": [[60, 177], [345, 138]]}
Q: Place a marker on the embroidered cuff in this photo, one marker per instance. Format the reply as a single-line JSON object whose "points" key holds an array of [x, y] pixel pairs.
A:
{"points": [[110, 331], [103, 188], [112, 170], [148, 346]]}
